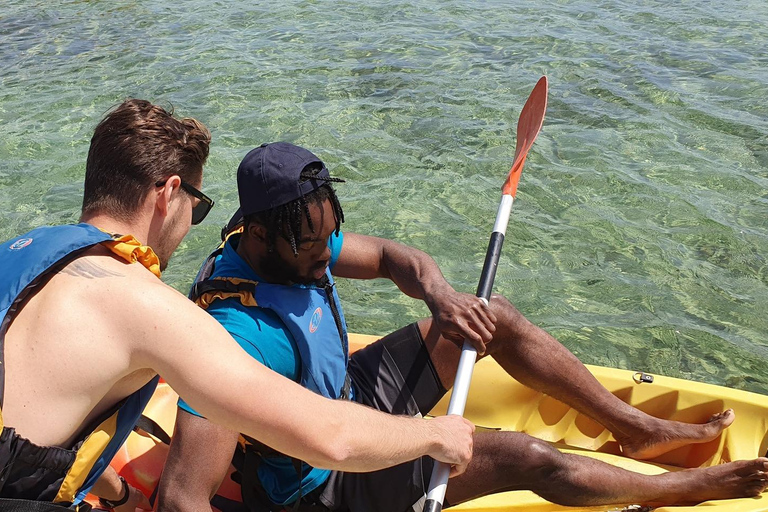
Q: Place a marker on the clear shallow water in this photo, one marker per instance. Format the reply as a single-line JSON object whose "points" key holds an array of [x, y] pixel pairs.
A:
{"points": [[639, 235]]}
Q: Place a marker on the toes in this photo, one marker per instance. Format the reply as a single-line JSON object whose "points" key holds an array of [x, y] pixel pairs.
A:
{"points": [[725, 418], [751, 468], [755, 489]]}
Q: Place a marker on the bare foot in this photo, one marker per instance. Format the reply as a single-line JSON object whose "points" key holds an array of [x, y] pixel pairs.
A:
{"points": [[669, 435], [740, 479]]}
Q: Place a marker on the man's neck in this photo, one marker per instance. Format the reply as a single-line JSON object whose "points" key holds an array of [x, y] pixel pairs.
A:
{"points": [[116, 226], [251, 256]]}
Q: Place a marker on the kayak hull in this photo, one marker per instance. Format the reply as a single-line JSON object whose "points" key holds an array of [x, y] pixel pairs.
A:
{"points": [[499, 402]]}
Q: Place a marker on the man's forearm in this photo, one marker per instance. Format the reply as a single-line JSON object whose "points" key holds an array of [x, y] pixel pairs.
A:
{"points": [[235, 391], [109, 486], [413, 271], [363, 440], [351, 437], [459, 316]]}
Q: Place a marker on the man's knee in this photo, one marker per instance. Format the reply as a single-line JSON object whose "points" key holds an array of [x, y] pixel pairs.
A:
{"points": [[504, 309], [511, 325], [542, 460], [520, 454], [499, 301], [550, 473]]}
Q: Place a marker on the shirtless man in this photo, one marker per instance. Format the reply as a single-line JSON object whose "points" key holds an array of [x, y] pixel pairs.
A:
{"points": [[87, 326], [292, 247]]}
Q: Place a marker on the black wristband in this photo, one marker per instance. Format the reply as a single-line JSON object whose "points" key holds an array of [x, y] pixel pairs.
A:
{"points": [[116, 503]]}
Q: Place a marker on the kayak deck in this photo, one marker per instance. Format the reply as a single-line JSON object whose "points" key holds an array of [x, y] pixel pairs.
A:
{"points": [[499, 402], [512, 406]]}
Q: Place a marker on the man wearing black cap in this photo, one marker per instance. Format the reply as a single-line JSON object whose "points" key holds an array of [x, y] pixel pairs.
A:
{"points": [[86, 326], [272, 287]]}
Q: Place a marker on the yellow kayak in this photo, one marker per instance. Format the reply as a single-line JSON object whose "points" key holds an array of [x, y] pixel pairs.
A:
{"points": [[498, 401]]}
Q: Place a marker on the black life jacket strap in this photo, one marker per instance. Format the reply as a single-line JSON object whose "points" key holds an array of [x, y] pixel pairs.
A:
{"points": [[205, 272], [146, 425], [255, 497], [150, 426], [220, 285], [328, 288], [11, 505]]}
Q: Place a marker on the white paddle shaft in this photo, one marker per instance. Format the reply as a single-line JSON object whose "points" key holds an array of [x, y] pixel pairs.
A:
{"points": [[439, 481]]}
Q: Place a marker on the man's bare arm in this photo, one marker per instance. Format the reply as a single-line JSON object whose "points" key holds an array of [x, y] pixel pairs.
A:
{"points": [[110, 487], [197, 463], [200, 360], [459, 315]]}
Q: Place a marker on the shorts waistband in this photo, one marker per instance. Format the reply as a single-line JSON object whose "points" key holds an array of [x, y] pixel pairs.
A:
{"points": [[21, 449]]}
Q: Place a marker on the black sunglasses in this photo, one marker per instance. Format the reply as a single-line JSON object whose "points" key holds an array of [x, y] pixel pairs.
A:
{"points": [[201, 209]]}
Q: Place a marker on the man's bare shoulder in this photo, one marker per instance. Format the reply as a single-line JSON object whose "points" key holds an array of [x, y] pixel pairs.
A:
{"points": [[128, 289], [360, 257], [144, 317]]}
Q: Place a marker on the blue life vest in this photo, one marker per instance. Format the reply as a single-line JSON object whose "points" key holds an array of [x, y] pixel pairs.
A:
{"points": [[26, 260], [313, 316], [312, 313]]}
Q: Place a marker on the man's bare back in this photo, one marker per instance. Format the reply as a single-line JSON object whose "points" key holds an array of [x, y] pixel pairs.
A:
{"points": [[67, 352], [122, 328]]}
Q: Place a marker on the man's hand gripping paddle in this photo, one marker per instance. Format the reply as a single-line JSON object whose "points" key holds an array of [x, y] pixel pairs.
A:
{"points": [[528, 127]]}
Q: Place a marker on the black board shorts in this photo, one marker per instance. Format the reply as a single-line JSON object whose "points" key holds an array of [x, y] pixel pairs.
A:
{"points": [[395, 375], [29, 471]]}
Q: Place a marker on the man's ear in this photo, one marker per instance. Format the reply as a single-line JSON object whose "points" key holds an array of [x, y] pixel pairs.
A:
{"points": [[257, 232], [166, 194]]}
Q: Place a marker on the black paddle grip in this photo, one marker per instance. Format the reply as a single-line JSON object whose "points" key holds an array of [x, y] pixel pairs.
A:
{"points": [[432, 506], [485, 287]]}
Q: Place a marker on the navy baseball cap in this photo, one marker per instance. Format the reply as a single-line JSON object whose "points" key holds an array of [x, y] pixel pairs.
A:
{"points": [[270, 176]]}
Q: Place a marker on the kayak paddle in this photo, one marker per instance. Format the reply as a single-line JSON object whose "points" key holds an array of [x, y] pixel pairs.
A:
{"points": [[528, 127]]}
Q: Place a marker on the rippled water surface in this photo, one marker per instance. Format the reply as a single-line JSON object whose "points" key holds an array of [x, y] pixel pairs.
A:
{"points": [[639, 234]]}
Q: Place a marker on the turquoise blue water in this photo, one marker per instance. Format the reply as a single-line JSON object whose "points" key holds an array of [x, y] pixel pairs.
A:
{"points": [[639, 234]]}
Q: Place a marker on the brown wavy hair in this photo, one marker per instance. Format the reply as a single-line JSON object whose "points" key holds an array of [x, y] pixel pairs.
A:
{"points": [[136, 145]]}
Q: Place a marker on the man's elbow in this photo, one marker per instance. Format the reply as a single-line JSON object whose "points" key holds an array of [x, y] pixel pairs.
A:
{"points": [[335, 452], [340, 453]]}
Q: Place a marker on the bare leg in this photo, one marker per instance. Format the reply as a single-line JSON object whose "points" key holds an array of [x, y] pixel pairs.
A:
{"points": [[505, 461], [539, 361]]}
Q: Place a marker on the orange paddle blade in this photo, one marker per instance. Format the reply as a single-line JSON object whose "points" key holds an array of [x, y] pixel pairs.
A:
{"points": [[528, 127]]}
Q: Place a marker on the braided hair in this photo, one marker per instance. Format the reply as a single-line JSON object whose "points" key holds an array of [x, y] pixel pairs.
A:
{"points": [[285, 220]]}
